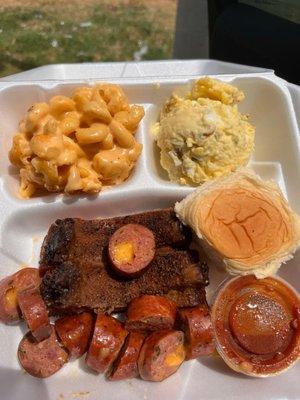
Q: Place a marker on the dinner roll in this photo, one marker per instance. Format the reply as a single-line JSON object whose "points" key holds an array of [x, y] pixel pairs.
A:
{"points": [[243, 221]]}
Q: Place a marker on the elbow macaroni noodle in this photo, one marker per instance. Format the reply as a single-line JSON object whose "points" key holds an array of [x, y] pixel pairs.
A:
{"points": [[77, 143]]}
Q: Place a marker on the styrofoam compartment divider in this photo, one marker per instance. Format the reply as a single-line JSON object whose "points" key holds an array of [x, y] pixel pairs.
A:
{"points": [[25, 222]]}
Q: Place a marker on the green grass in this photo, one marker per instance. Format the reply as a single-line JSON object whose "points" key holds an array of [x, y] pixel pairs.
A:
{"points": [[30, 37]]}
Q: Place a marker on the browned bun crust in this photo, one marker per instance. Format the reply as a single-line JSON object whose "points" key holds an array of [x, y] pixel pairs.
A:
{"points": [[244, 222]]}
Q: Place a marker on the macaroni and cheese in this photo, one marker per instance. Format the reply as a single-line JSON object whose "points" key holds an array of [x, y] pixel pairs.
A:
{"points": [[77, 143]]}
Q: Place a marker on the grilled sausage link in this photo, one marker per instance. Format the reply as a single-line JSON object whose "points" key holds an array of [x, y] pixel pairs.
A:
{"points": [[125, 366], [41, 359], [9, 288], [35, 313], [74, 332], [131, 249], [196, 324], [108, 338], [161, 355], [151, 313]]}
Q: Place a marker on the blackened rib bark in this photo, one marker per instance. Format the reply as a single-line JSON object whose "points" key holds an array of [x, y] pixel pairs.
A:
{"points": [[174, 272], [55, 247], [74, 238], [168, 274], [58, 283]]}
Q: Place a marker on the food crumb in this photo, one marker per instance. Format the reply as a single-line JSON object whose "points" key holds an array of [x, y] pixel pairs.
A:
{"points": [[80, 394], [145, 394], [74, 371]]}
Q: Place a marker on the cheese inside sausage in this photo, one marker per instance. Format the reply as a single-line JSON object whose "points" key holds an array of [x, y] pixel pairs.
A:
{"points": [[161, 355], [131, 249], [124, 252]]}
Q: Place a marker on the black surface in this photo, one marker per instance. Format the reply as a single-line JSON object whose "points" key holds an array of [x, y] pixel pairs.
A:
{"points": [[246, 35]]}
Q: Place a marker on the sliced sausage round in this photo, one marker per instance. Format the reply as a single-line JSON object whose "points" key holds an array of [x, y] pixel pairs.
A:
{"points": [[9, 288], [151, 313], [35, 313], [27, 277], [131, 249], [125, 366], [161, 355], [41, 359], [196, 324], [74, 332], [108, 338]]}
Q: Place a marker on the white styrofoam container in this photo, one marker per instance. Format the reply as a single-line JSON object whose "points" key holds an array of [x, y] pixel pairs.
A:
{"points": [[24, 224]]}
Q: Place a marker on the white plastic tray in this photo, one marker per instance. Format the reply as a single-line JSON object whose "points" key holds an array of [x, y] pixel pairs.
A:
{"points": [[24, 224]]}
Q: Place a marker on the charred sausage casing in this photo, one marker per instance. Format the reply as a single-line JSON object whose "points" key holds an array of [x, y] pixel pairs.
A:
{"points": [[131, 249], [196, 324], [151, 313], [126, 364], [74, 332], [35, 313], [9, 288], [108, 338], [161, 355]]}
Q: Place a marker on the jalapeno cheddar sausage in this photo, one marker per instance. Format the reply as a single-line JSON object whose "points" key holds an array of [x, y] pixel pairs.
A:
{"points": [[151, 313], [131, 249], [35, 313], [41, 359], [196, 324], [125, 366], [9, 288], [75, 331], [161, 355], [108, 338]]}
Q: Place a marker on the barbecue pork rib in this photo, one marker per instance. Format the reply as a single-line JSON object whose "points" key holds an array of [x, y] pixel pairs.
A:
{"points": [[77, 274]]}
